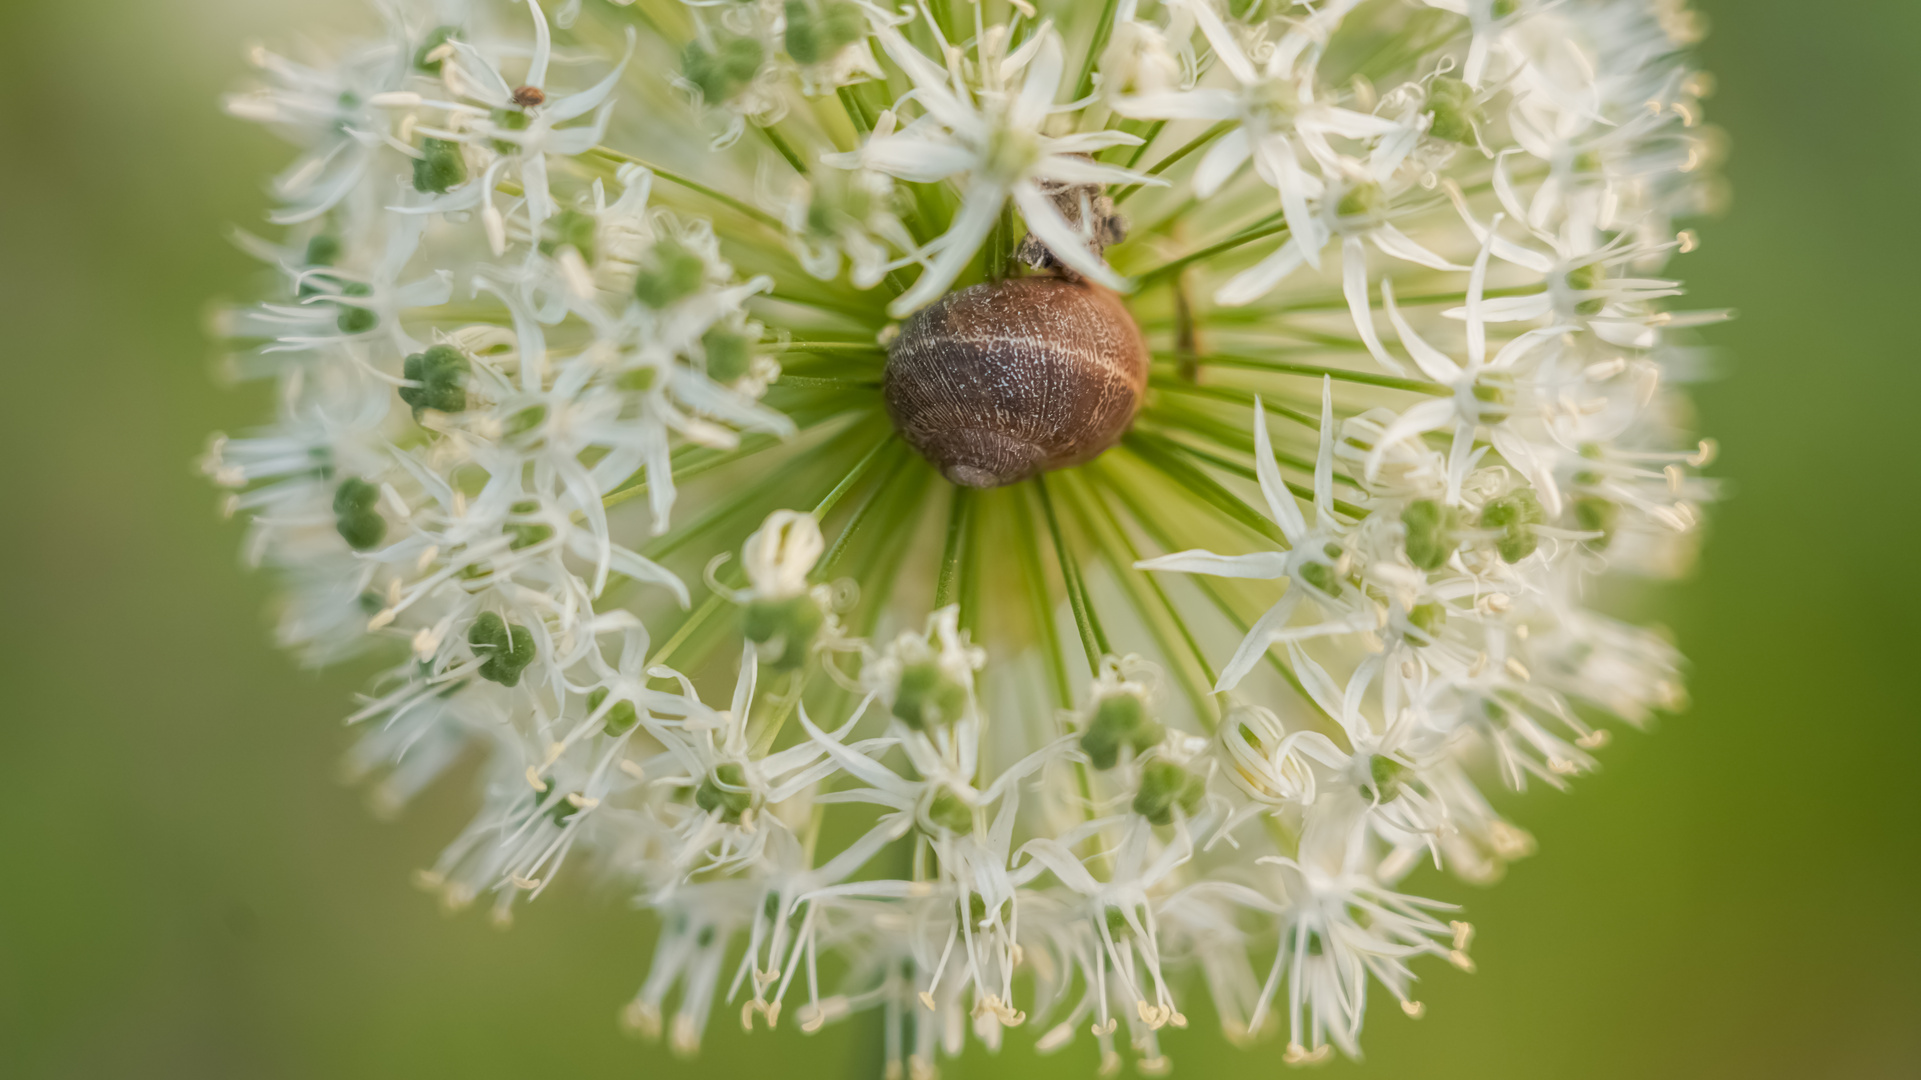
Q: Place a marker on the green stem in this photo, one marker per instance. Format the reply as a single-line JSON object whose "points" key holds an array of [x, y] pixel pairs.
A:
{"points": [[723, 198], [863, 511], [1040, 602], [1150, 524], [687, 628], [1168, 162], [1085, 84], [1270, 226], [854, 475], [960, 510], [780, 145], [1092, 639], [1157, 453], [1316, 371], [1121, 556], [1147, 141], [824, 347]]}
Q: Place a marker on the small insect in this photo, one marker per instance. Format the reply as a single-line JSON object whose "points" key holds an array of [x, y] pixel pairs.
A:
{"points": [[1001, 381], [530, 97]]}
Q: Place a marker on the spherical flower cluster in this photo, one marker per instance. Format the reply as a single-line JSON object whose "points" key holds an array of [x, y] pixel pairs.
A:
{"points": [[578, 330]]}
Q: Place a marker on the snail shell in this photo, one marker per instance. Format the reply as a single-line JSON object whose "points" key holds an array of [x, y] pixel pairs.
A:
{"points": [[999, 382]]}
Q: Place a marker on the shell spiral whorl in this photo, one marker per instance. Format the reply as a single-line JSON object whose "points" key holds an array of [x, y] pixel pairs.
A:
{"points": [[1001, 381]]}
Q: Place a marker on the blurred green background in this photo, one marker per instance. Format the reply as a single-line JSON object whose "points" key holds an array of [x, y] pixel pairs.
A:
{"points": [[192, 894]]}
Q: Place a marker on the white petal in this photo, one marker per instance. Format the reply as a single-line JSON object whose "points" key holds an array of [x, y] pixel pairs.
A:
{"points": [[1221, 162], [1062, 239], [1398, 244], [1432, 361], [1260, 279], [978, 213], [1354, 286], [1279, 499], [1259, 565], [1254, 646], [1202, 104]]}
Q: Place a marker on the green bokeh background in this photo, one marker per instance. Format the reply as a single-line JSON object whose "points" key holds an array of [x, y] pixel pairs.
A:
{"points": [[190, 893]]}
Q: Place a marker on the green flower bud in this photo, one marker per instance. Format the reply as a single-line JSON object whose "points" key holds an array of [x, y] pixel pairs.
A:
{"points": [[1119, 720], [1165, 785], [927, 697], [359, 524], [816, 35], [620, 719], [505, 648], [732, 801], [524, 421], [1430, 527], [637, 380], [554, 803], [1451, 102], [1363, 200], [439, 168], [793, 622], [951, 812], [527, 533], [1385, 773], [725, 71], [442, 374], [1595, 514], [729, 354], [440, 35], [322, 250], [511, 119], [1515, 515], [1428, 618], [671, 274], [1322, 577], [574, 229], [356, 320]]}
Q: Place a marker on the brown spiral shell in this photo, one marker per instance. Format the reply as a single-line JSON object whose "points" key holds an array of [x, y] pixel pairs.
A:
{"points": [[1001, 381]]}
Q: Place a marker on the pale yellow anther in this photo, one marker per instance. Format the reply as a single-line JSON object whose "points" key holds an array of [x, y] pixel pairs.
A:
{"points": [[1463, 933], [534, 781], [1461, 960], [1414, 1009], [641, 1018], [1606, 369], [524, 882], [1704, 453], [1517, 669], [926, 1000], [747, 1015], [633, 769]]}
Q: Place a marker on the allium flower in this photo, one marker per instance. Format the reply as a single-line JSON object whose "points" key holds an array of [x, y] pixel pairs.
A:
{"points": [[917, 506]]}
